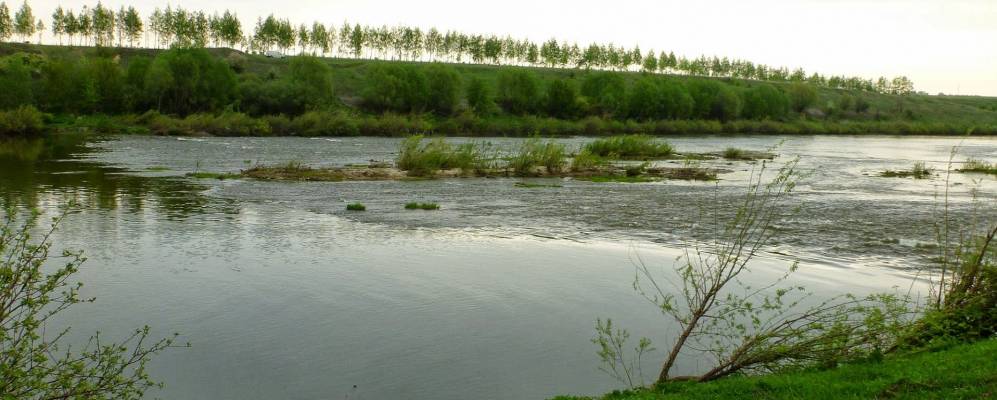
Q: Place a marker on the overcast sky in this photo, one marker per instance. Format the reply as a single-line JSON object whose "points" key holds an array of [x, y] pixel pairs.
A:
{"points": [[945, 46]]}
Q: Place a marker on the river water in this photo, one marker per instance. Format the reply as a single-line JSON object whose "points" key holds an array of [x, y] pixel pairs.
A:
{"points": [[282, 293]]}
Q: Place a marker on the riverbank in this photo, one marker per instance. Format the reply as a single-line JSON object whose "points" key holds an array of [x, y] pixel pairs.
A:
{"points": [[117, 90], [966, 371], [345, 123]]}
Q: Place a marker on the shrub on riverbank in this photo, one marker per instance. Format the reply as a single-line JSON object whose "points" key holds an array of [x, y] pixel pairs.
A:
{"points": [[954, 372], [21, 121], [356, 207]]}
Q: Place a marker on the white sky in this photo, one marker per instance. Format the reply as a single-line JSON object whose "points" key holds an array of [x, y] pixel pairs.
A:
{"points": [[945, 46]]}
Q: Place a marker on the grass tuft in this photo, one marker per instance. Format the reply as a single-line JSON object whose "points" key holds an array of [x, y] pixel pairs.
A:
{"points": [[918, 171], [214, 175], [422, 206], [422, 159], [620, 179], [529, 185], [356, 207], [630, 147], [979, 166]]}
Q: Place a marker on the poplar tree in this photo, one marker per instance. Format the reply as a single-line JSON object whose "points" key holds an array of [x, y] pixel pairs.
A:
{"points": [[24, 22]]}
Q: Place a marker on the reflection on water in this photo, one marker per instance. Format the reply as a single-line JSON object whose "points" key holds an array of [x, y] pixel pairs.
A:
{"points": [[284, 294], [40, 173]]}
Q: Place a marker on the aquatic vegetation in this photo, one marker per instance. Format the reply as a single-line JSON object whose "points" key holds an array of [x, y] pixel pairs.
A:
{"points": [[529, 185], [736, 154], [214, 175], [918, 171], [630, 147], [691, 173], [585, 161], [733, 153], [619, 179], [297, 172], [421, 159], [157, 169], [356, 207], [422, 206], [979, 166], [535, 153], [637, 170]]}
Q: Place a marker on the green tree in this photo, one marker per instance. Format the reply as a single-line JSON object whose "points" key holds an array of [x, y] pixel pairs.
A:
{"points": [[6, 23], [606, 93], [562, 99], [519, 91], [24, 22], [802, 96], [480, 97], [650, 62], [315, 80], [765, 101], [444, 86], [15, 79], [645, 100], [399, 88]]}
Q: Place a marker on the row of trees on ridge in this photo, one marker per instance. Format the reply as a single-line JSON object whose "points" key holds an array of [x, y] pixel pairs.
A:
{"points": [[178, 27]]}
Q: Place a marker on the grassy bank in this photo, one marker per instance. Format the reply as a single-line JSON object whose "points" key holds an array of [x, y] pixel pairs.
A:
{"points": [[960, 372], [353, 123], [251, 95]]}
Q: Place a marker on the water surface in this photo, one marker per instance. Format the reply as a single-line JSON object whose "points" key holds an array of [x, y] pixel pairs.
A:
{"points": [[285, 294]]}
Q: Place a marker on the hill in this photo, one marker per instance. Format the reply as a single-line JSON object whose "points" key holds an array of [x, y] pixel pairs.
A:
{"points": [[646, 103]]}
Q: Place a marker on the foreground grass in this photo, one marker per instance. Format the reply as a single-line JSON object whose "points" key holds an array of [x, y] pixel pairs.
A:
{"points": [[981, 167], [961, 372]]}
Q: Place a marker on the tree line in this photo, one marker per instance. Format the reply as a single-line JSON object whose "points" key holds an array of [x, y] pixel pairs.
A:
{"points": [[178, 27], [183, 81]]}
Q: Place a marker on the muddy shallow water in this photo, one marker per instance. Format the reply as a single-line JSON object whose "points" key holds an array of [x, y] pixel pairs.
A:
{"points": [[284, 294]]}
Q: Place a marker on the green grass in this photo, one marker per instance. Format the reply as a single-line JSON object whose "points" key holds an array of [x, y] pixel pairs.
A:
{"points": [[691, 171], [978, 166], [918, 171], [619, 179], [535, 153], [630, 147], [529, 185], [421, 158], [960, 372], [733, 153], [422, 206], [214, 175], [356, 207]]}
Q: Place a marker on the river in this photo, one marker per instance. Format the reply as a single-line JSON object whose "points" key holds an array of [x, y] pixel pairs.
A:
{"points": [[282, 293]]}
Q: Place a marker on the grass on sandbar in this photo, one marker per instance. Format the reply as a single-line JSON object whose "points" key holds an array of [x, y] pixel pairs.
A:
{"points": [[918, 171], [422, 206], [979, 166], [356, 207], [630, 147], [214, 175]]}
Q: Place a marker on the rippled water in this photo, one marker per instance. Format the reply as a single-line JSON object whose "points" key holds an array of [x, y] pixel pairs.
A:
{"points": [[284, 294]]}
